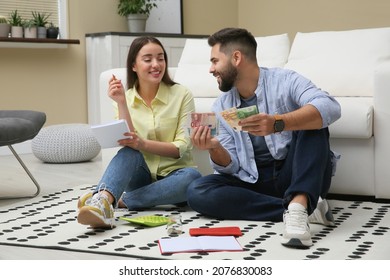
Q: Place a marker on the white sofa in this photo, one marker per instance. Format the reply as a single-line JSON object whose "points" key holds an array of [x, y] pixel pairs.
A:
{"points": [[353, 66]]}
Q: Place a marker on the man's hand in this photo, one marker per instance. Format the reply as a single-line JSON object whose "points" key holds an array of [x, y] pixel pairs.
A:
{"points": [[201, 138], [259, 124]]}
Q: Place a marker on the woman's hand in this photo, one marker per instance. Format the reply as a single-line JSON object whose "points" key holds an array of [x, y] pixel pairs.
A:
{"points": [[116, 90], [132, 140]]}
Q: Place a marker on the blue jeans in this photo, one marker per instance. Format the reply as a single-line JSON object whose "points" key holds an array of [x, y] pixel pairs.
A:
{"points": [[307, 169], [128, 177]]}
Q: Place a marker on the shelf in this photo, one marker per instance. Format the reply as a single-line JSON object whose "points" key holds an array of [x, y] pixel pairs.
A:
{"points": [[36, 43], [161, 35]]}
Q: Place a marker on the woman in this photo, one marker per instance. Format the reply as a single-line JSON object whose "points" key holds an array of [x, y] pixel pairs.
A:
{"points": [[155, 165]]}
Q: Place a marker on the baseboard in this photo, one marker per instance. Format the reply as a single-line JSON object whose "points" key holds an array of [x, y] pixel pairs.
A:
{"points": [[350, 197], [20, 148]]}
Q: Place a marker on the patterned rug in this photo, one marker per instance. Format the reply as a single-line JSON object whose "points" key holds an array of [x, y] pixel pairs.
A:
{"points": [[362, 231]]}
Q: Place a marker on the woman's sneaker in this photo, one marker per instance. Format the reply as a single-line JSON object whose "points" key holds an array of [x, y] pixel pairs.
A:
{"points": [[96, 211], [84, 199], [296, 232]]}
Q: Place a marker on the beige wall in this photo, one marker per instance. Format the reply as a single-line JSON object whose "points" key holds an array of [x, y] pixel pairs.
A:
{"points": [[265, 17], [54, 80], [206, 16]]}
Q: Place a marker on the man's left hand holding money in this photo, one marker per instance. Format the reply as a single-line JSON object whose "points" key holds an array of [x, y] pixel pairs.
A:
{"points": [[259, 124]]}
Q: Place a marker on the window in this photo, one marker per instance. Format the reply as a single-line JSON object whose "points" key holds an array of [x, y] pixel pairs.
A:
{"points": [[56, 8]]}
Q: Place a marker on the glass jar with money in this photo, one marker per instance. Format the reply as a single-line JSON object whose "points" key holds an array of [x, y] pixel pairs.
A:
{"points": [[174, 225]]}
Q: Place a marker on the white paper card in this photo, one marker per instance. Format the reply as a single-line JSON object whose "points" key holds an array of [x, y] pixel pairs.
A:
{"points": [[200, 243], [108, 134]]}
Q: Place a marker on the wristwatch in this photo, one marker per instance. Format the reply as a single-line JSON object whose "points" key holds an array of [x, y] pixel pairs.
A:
{"points": [[278, 124]]}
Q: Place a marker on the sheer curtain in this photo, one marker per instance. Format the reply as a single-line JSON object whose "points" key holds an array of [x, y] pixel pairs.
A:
{"points": [[25, 7], [57, 9]]}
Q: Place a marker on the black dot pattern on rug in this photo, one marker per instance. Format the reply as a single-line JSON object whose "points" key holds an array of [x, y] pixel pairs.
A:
{"points": [[50, 220], [312, 256], [192, 257]]}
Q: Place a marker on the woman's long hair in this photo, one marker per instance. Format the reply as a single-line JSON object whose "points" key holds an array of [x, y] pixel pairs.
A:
{"points": [[135, 47]]}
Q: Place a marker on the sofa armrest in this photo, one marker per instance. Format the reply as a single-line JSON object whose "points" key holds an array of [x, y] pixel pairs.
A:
{"points": [[172, 72], [381, 129]]}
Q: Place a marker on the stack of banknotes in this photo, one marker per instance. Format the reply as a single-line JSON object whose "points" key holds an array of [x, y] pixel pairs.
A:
{"points": [[203, 119], [233, 115]]}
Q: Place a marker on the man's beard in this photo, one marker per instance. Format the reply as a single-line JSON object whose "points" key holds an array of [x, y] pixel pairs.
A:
{"points": [[228, 78]]}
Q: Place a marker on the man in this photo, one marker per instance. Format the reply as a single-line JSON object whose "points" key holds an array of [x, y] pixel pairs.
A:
{"points": [[279, 165]]}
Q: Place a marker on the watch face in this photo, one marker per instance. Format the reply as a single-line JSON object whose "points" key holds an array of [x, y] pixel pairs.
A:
{"points": [[279, 125]]}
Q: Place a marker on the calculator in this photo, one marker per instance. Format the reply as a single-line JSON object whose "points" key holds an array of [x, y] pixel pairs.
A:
{"points": [[150, 220]]}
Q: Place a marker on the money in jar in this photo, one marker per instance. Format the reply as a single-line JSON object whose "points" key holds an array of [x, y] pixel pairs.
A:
{"points": [[175, 225]]}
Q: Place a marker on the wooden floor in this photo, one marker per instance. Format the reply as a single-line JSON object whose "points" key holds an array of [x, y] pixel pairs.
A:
{"points": [[51, 177]]}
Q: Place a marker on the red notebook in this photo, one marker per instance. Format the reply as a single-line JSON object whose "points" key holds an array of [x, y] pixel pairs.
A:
{"points": [[216, 231]]}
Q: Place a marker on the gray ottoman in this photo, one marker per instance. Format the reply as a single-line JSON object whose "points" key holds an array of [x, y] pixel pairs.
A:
{"points": [[65, 143]]}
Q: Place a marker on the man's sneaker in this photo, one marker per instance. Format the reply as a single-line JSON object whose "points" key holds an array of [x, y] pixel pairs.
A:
{"points": [[296, 227], [97, 211], [322, 214]]}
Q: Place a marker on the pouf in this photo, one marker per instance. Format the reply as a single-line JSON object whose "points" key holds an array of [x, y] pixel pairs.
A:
{"points": [[65, 143]]}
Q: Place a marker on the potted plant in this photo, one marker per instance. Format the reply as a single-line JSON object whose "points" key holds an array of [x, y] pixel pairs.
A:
{"points": [[52, 31], [136, 12], [30, 28], [41, 20], [5, 27], [16, 22]]}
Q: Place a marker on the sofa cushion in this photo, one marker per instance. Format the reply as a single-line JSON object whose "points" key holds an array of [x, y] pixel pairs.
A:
{"points": [[203, 105], [272, 51], [357, 115], [195, 52], [198, 80], [193, 69], [341, 62]]}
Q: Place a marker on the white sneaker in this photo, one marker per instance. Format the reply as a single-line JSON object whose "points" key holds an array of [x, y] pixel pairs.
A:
{"points": [[96, 211], [322, 214], [296, 231]]}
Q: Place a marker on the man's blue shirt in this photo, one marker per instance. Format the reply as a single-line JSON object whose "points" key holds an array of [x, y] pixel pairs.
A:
{"points": [[278, 91]]}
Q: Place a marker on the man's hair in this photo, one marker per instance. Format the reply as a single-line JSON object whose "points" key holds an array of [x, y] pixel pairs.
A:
{"points": [[231, 39]]}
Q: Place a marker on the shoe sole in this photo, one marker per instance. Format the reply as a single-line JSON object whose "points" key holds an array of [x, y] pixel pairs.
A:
{"points": [[90, 218], [322, 215], [296, 243]]}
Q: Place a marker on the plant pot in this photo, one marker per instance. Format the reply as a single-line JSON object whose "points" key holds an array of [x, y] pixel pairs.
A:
{"points": [[30, 32], [41, 31], [5, 28], [137, 23], [52, 32], [17, 31]]}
